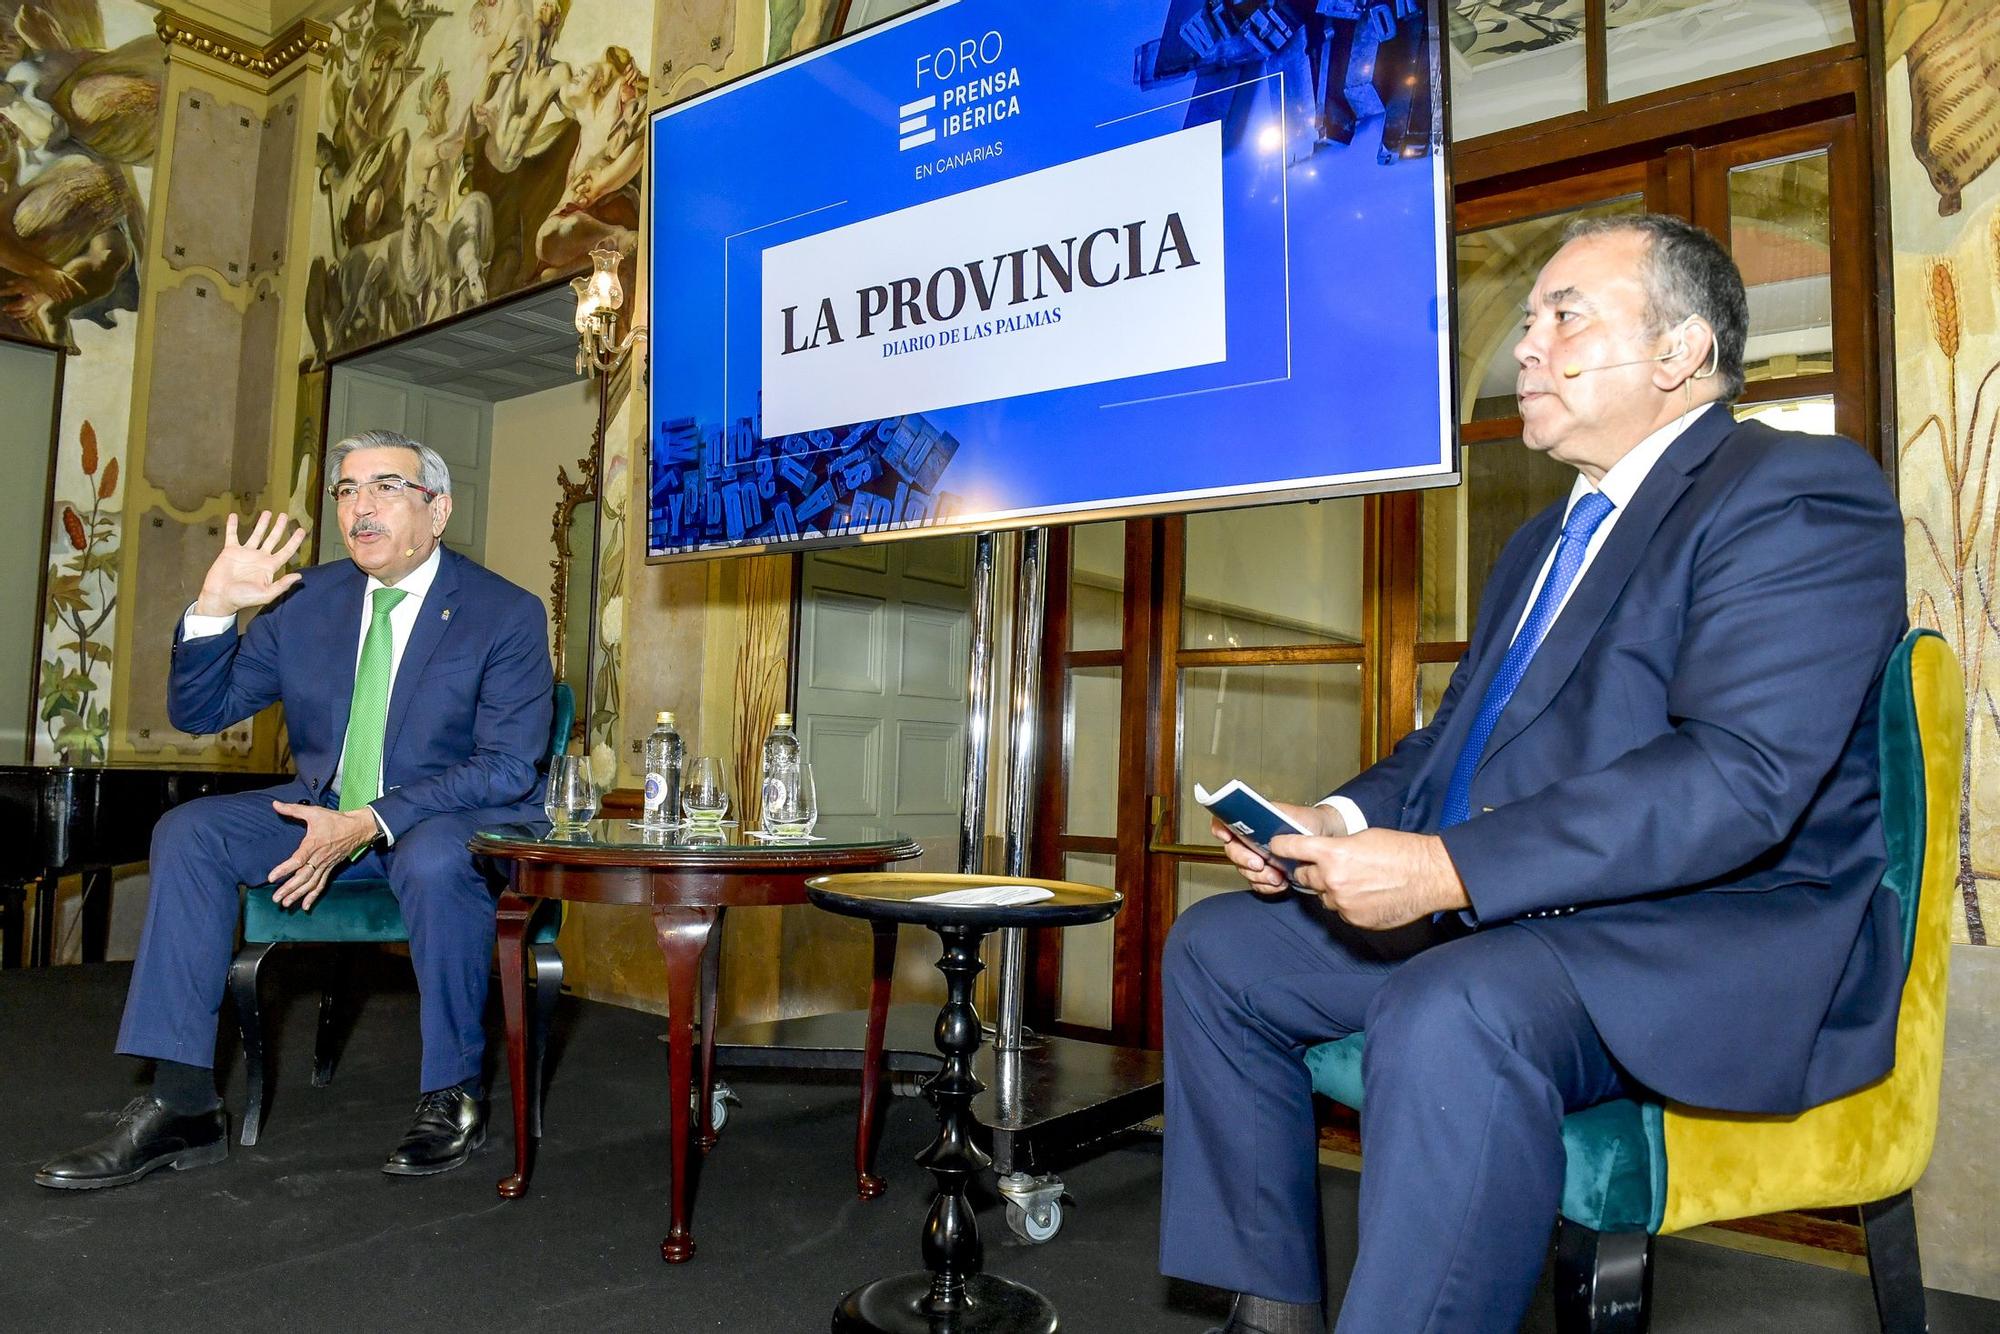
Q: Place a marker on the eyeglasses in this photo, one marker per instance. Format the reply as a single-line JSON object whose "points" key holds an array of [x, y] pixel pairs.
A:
{"points": [[379, 489]]}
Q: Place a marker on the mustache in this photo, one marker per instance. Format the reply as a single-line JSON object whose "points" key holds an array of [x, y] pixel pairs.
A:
{"points": [[361, 526]]}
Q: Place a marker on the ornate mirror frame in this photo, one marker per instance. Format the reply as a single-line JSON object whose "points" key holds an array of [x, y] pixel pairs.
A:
{"points": [[587, 488]]}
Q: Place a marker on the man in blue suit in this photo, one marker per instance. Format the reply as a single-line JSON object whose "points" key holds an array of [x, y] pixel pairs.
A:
{"points": [[417, 694], [1637, 847]]}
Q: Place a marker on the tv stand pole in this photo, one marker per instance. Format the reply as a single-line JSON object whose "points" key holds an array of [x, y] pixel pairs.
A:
{"points": [[1048, 1097]]}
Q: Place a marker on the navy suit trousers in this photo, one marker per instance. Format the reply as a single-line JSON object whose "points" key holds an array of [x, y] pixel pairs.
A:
{"points": [[1477, 1047], [205, 850]]}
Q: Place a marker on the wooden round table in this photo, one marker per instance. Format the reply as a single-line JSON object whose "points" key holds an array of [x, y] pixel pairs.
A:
{"points": [[689, 878], [951, 1292]]}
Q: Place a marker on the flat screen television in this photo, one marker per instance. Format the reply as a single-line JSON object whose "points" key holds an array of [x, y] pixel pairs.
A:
{"points": [[997, 263]]}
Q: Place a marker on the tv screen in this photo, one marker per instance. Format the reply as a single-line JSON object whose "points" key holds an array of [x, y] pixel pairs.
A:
{"points": [[998, 263]]}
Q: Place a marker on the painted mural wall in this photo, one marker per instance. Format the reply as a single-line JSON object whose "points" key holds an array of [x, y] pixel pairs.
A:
{"points": [[697, 40], [469, 149], [79, 124], [1944, 137]]}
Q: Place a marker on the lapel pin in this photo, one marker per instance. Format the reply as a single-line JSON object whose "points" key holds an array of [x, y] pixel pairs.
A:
{"points": [[446, 614]]}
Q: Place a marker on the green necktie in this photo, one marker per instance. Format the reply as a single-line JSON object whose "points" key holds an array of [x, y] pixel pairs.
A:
{"points": [[368, 715]]}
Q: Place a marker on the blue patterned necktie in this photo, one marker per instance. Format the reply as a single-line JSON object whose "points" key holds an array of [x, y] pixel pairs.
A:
{"points": [[1583, 520]]}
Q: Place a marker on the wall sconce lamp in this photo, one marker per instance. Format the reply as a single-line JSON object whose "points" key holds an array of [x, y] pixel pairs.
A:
{"points": [[599, 298]]}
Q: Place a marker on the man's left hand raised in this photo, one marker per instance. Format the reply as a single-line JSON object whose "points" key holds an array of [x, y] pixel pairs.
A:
{"points": [[331, 838], [1378, 879]]}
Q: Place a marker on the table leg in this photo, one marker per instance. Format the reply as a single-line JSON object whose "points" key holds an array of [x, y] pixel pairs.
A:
{"points": [[953, 1295], [711, 984], [514, 911], [13, 923], [42, 948], [683, 935], [867, 1185], [96, 913]]}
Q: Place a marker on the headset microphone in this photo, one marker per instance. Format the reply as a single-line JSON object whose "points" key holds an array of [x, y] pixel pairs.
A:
{"points": [[1713, 365], [409, 552], [1571, 372]]}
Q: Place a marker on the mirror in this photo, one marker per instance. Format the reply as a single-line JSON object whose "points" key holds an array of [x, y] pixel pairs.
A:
{"points": [[496, 393], [32, 536]]}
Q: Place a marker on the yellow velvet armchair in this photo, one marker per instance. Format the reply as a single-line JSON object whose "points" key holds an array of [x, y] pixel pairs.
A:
{"points": [[1639, 1169]]}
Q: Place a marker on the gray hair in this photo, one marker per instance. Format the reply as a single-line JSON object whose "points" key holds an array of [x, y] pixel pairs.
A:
{"points": [[432, 474], [1686, 272]]}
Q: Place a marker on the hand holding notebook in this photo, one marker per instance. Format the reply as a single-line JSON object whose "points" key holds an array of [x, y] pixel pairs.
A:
{"points": [[1253, 819]]}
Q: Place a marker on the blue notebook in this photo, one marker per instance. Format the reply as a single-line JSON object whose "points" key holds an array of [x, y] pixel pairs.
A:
{"points": [[1252, 818]]}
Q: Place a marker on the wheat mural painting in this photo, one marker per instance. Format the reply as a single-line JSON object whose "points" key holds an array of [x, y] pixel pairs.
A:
{"points": [[1955, 544]]}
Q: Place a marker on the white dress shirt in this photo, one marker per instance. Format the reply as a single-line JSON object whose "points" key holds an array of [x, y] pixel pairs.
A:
{"points": [[1621, 482], [402, 621]]}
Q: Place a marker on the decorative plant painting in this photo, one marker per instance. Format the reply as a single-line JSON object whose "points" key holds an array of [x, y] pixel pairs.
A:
{"points": [[1944, 124], [1955, 540], [83, 593]]}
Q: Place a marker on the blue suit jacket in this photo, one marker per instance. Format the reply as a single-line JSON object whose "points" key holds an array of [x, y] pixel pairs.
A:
{"points": [[469, 716], [1683, 790]]}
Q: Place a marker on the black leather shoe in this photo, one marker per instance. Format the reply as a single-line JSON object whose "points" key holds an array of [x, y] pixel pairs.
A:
{"points": [[146, 1138], [449, 1125]]}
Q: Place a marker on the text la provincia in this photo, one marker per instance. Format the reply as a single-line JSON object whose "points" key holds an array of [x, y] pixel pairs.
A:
{"points": [[1109, 255]]}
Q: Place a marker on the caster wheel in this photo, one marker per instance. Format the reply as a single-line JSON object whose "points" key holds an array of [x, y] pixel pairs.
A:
{"points": [[1035, 1226], [720, 1099]]}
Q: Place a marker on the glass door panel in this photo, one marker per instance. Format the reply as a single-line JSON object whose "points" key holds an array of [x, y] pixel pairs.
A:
{"points": [[1090, 743], [1291, 732], [1083, 996], [1097, 587], [1781, 234], [1278, 575]]}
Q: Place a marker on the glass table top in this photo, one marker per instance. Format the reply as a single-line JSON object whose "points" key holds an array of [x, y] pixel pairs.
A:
{"points": [[726, 839]]}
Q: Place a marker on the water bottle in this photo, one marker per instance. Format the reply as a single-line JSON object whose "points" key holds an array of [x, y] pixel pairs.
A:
{"points": [[781, 776], [664, 756]]}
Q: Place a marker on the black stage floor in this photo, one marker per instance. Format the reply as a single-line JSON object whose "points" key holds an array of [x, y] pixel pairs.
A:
{"points": [[303, 1233]]}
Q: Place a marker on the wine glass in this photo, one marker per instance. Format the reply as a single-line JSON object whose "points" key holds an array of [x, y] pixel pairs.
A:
{"points": [[572, 795], [796, 810], [704, 798]]}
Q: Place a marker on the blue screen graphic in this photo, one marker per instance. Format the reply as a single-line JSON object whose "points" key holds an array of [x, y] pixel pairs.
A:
{"points": [[1001, 263]]}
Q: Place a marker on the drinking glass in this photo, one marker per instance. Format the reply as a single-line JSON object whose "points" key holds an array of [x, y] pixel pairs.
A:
{"points": [[796, 811], [704, 799], [572, 796]]}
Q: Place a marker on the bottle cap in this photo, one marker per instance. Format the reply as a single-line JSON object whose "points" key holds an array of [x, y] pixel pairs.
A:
{"points": [[784, 720], [664, 716]]}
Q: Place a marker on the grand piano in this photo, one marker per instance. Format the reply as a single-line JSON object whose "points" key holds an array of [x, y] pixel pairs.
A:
{"points": [[59, 820]]}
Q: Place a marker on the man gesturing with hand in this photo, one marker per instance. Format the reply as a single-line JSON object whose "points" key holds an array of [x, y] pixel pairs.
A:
{"points": [[251, 574], [417, 691]]}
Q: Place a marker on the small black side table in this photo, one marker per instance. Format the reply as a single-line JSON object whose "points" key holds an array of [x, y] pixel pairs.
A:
{"points": [[951, 1295]]}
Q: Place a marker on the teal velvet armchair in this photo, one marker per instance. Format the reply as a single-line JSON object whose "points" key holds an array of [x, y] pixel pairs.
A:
{"points": [[363, 911], [1639, 1169]]}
